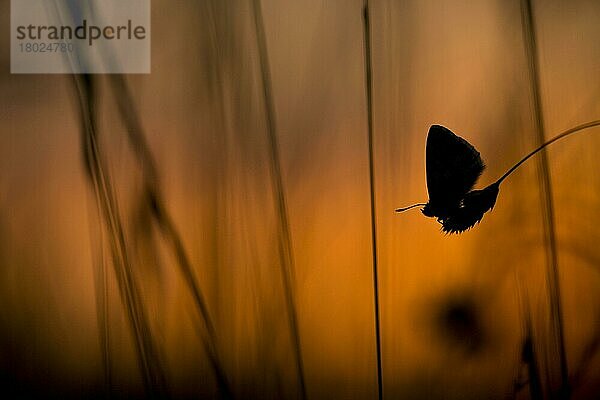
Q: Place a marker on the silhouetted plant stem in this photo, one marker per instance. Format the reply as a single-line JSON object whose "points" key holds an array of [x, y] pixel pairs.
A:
{"points": [[529, 355], [561, 135], [369, 93], [286, 257], [553, 281], [153, 197], [220, 158], [148, 357], [102, 308]]}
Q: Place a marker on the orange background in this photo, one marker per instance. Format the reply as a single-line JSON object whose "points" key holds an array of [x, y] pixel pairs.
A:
{"points": [[461, 64]]}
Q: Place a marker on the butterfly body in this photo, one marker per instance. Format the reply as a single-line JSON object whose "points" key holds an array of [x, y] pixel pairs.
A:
{"points": [[440, 211], [471, 210]]}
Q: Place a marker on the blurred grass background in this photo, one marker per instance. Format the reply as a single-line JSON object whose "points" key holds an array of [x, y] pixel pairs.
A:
{"points": [[453, 308]]}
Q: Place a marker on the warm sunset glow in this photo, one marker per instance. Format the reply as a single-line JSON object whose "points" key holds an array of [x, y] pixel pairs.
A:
{"points": [[174, 234]]}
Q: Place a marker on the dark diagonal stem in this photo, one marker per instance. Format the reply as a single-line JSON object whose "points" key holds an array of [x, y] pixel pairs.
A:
{"points": [[152, 194], [561, 135], [286, 256], [146, 350]]}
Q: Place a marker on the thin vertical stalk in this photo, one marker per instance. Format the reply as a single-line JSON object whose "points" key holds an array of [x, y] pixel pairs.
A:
{"points": [[102, 308], [218, 174], [530, 356], [552, 275], [153, 196], [97, 242], [369, 93], [286, 256], [146, 350]]}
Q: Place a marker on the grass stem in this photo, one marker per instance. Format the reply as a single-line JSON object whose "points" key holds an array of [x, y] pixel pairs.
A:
{"points": [[552, 274], [146, 350], [153, 196], [286, 256], [369, 93]]}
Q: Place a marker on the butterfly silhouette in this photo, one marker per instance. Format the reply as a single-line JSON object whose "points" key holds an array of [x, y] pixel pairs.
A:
{"points": [[453, 166]]}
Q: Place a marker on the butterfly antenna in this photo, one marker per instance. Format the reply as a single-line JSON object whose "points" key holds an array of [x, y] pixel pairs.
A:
{"points": [[399, 210], [549, 142]]}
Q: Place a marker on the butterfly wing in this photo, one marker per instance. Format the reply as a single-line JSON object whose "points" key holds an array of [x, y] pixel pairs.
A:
{"points": [[453, 166]]}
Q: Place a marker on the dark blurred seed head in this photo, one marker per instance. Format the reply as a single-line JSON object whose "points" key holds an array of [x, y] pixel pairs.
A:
{"points": [[458, 322]]}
